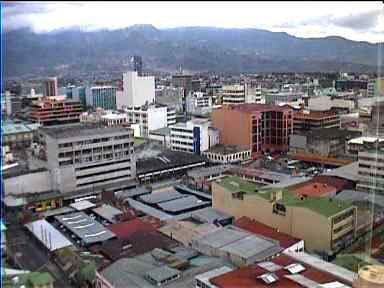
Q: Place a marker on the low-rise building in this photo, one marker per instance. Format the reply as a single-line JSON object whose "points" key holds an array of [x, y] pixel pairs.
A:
{"points": [[355, 145], [56, 111], [227, 154], [162, 135], [326, 142], [309, 120], [281, 209], [18, 135], [150, 117]]}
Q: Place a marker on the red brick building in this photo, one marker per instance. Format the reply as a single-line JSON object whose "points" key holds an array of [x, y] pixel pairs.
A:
{"points": [[258, 126]]}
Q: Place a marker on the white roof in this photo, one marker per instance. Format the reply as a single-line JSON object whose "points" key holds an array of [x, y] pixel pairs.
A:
{"points": [[361, 140], [52, 238], [295, 268], [333, 285], [82, 205]]}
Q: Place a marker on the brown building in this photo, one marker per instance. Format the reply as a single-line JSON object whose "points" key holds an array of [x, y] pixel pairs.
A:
{"points": [[325, 224], [56, 111], [50, 87], [310, 120], [257, 126]]}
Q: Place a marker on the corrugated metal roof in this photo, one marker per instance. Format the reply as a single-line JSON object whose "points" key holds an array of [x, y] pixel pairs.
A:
{"points": [[182, 204]]}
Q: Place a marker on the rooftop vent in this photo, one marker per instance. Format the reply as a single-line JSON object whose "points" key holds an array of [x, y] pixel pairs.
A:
{"points": [[269, 278], [295, 268]]}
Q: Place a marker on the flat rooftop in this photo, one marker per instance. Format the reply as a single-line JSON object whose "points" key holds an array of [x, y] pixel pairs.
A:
{"points": [[81, 130], [321, 205], [183, 204], [253, 108], [84, 227], [227, 149], [156, 198], [331, 133]]}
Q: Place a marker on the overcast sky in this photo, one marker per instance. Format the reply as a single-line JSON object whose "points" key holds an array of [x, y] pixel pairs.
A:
{"points": [[362, 21]]}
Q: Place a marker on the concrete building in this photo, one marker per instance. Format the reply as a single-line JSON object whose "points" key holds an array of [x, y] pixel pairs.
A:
{"points": [[375, 87], [297, 216], [253, 94], [137, 65], [162, 135], [114, 119], [355, 145], [137, 90], [101, 97], [263, 127], [227, 154], [194, 136], [150, 117], [310, 120], [233, 94], [277, 97], [11, 104], [371, 167], [198, 102], [55, 111], [50, 87], [18, 135], [88, 156], [347, 85], [325, 141]]}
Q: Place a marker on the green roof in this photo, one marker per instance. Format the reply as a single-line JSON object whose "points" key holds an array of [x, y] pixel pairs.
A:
{"points": [[40, 278], [236, 184], [321, 205]]}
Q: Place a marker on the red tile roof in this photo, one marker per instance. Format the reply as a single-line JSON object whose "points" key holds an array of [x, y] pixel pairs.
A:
{"points": [[313, 189], [125, 230], [246, 277], [256, 227]]}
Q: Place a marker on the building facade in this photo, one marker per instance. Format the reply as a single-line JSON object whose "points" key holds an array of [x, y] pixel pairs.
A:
{"points": [[297, 216], [102, 97], [227, 154], [310, 120], [89, 156], [375, 87], [137, 90], [263, 127], [150, 117], [193, 136], [233, 94], [50, 87], [371, 167], [55, 111]]}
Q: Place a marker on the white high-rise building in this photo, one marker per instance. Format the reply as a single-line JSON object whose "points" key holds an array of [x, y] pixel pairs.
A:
{"points": [[137, 90]]}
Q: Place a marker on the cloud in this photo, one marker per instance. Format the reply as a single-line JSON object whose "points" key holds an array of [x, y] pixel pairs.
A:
{"points": [[12, 9], [361, 21]]}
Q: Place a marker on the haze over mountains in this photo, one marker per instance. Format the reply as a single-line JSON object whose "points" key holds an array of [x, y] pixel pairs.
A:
{"points": [[197, 49]]}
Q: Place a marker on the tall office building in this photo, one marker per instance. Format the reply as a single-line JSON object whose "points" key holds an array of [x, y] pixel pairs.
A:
{"points": [[137, 90], [50, 87], [102, 97], [185, 82], [233, 94], [137, 65], [257, 126]]}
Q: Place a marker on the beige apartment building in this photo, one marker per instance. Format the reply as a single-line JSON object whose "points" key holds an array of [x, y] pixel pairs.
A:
{"points": [[324, 224]]}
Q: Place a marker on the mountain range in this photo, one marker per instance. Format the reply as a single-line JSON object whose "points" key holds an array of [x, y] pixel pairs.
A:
{"points": [[197, 49]]}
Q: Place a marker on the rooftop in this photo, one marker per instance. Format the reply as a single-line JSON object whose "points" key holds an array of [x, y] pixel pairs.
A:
{"points": [[165, 131], [82, 129], [14, 128], [84, 227], [208, 171], [226, 149], [183, 204], [313, 189], [331, 133], [164, 196], [250, 276], [258, 228], [321, 205], [253, 108], [210, 215], [107, 212], [318, 115]]}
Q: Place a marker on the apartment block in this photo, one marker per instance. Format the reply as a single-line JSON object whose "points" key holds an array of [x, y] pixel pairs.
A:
{"points": [[371, 167], [193, 136], [310, 120], [257, 126], [55, 111], [137, 90], [291, 214], [90, 156]]}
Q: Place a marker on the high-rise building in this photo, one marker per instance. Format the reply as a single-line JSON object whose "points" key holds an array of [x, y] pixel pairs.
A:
{"points": [[185, 82], [50, 87], [137, 65], [258, 126], [101, 97], [88, 156], [375, 87], [55, 111], [137, 90]]}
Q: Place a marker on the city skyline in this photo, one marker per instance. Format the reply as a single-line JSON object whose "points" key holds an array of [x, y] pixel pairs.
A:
{"points": [[359, 21]]}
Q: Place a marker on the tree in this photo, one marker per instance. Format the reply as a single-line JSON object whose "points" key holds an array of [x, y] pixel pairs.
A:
{"points": [[86, 274]]}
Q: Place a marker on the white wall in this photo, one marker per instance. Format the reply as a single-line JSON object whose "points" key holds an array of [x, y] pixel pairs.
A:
{"points": [[28, 183], [138, 90], [157, 118], [121, 100]]}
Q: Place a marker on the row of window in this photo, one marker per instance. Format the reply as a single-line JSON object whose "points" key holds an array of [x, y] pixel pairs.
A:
{"points": [[95, 158], [94, 141]]}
